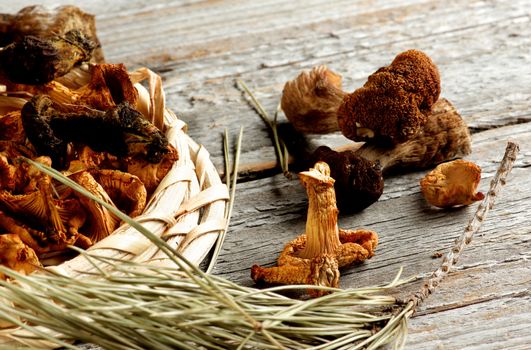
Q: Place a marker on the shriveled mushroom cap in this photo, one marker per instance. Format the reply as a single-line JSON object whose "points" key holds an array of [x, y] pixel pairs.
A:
{"points": [[452, 183]]}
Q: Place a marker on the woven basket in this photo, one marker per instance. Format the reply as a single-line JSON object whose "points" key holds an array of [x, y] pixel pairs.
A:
{"points": [[187, 209]]}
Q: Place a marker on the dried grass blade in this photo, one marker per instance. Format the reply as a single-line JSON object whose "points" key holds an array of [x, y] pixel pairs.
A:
{"points": [[232, 188]]}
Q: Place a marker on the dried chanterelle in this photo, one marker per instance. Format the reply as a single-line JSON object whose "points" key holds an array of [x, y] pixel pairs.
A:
{"points": [[451, 184], [16, 255], [316, 256]]}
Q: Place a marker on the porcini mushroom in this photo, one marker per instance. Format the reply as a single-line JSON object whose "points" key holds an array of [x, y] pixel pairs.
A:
{"points": [[390, 107], [121, 131], [36, 60], [452, 183], [393, 104], [45, 22], [316, 256], [445, 136]]}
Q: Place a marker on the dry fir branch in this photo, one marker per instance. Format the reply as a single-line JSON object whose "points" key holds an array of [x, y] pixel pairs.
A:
{"points": [[281, 149], [139, 306], [231, 185]]}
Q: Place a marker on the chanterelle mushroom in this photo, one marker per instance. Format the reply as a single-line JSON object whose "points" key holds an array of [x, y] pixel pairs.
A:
{"points": [[16, 255], [316, 256], [452, 183]]}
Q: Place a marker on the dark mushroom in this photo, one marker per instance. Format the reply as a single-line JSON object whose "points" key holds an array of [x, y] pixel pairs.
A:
{"points": [[122, 131], [358, 181], [34, 60]]}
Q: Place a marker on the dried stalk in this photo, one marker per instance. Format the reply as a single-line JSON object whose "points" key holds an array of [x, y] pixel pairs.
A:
{"points": [[231, 185], [281, 149]]}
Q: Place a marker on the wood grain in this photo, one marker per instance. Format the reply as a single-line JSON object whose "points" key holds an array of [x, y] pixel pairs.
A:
{"points": [[483, 51]]}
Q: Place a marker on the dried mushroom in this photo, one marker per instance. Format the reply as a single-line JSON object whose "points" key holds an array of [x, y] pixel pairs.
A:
{"points": [[50, 223], [125, 190], [106, 86], [16, 255], [316, 256], [358, 181], [34, 60], [151, 174], [452, 183], [42, 22], [121, 131], [311, 100], [101, 222], [11, 127], [393, 104]]}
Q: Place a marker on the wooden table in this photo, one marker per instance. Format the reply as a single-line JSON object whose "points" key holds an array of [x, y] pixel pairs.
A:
{"points": [[483, 51]]}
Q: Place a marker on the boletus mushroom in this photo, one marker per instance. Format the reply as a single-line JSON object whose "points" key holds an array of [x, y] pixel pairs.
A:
{"points": [[394, 103], [316, 256]]}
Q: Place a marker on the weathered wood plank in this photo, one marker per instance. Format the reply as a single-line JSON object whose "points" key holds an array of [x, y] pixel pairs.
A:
{"points": [[497, 324]]}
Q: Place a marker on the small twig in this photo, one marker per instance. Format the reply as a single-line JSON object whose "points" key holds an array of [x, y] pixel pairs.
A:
{"points": [[472, 228], [232, 189], [281, 149]]}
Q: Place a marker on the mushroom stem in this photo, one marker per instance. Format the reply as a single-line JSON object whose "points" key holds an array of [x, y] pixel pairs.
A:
{"points": [[445, 136], [322, 231]]}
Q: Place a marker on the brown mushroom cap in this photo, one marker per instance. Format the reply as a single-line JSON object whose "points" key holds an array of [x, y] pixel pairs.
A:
{"points": [[358, 181], [393, 103]]}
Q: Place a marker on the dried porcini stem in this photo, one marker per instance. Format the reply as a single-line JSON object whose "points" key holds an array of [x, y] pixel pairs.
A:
{"points": [[34, 60], [393, 104], [445, 136], [310, 101], [316, 256], [452, 183]]}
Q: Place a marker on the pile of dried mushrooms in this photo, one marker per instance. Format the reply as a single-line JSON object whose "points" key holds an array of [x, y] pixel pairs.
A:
{"points": [[63, 106]]}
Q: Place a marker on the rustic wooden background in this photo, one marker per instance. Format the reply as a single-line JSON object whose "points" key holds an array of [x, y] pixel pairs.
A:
{"points": [[483, 50]]}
